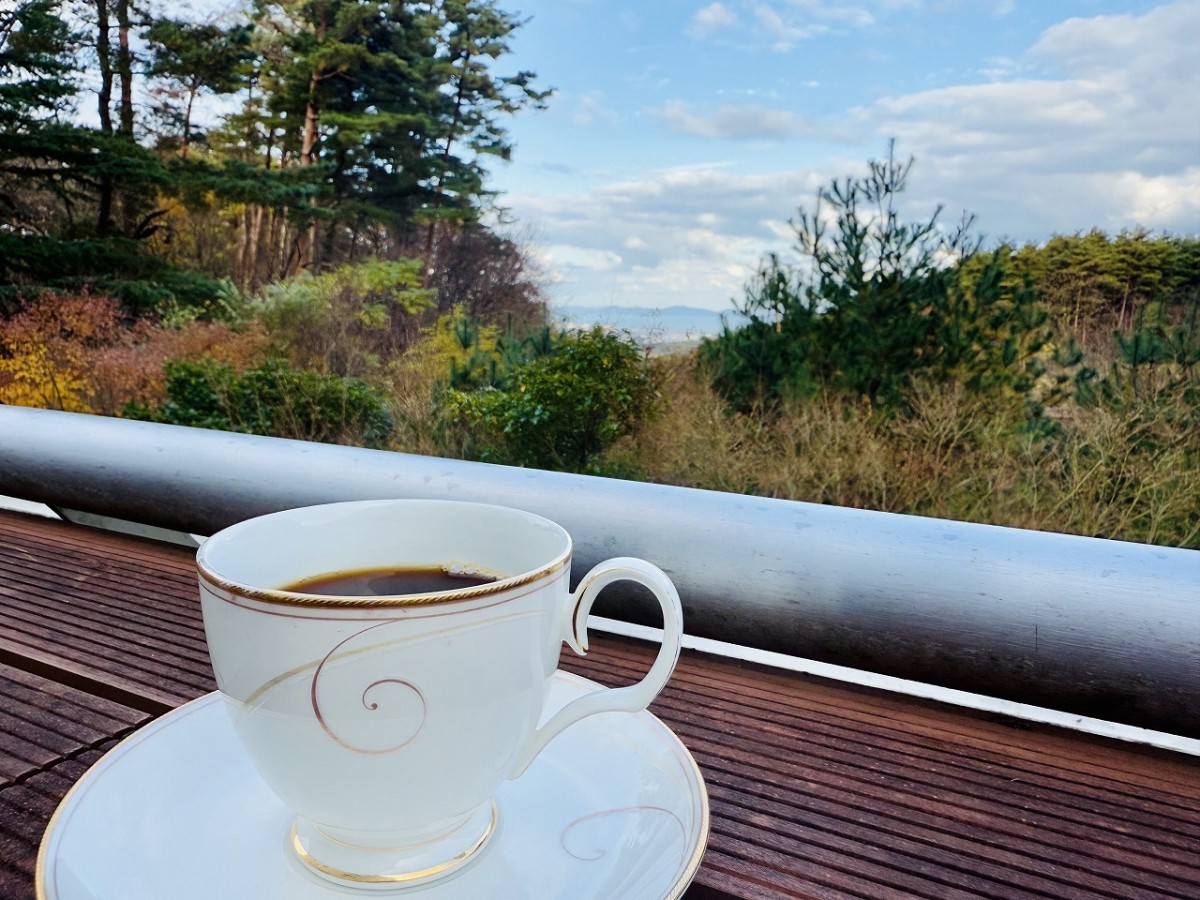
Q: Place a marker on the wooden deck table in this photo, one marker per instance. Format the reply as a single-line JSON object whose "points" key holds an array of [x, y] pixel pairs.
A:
{"points": [[817, 789]]}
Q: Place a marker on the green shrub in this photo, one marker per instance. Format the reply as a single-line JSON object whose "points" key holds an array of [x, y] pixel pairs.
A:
{"points": [[31, 264], [347, 321], [273, 399], [561, 409]]}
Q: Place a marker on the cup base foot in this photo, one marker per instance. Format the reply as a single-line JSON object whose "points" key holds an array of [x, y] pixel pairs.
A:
{"points": [[393, 868]]}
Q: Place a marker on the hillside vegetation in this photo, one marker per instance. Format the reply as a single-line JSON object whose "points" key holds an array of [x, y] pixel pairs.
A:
{"points": [[315, 266]]}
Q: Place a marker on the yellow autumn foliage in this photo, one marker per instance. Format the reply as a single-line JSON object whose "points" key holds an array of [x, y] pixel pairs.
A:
{"points": [[33, 378], [76, 353], [45, 350]]}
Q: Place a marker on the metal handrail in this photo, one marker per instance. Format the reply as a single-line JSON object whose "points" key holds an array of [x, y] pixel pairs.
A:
{"points": [[1104, 628]]}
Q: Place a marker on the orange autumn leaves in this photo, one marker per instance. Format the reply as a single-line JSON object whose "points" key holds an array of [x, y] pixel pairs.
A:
{"points": [[76, 352]]}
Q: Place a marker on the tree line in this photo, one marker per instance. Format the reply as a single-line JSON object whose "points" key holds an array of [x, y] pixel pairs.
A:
{"points": [[353, 129], [312, 263], [873, 304]]}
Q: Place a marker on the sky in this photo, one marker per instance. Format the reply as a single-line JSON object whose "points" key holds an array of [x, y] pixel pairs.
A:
{"points": [[683, 137]]}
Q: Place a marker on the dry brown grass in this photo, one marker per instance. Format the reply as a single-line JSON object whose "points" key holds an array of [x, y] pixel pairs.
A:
{"points": [[955, 455], [410, 382], [1130, 475]]}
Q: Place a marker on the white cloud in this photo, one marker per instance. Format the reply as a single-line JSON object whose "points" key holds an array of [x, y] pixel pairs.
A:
{"points": [[848, 15], [1171, 199], [781, 24], [1087, 46], [1108, 137], [780, 228], [675, 281], [674, 248], [738, 121], [566, 256], [707, 243], [591, 109], [714, 19], [782, 29]]}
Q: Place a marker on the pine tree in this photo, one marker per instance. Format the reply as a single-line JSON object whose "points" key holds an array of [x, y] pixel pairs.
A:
{"points": [[396, 102], [192, 59], [875, 303]]}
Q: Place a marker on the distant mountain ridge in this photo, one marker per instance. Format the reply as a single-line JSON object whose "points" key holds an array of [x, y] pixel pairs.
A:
{"points": [[648, 324]]}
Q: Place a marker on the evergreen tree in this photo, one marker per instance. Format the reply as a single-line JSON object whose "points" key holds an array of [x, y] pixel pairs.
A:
{"points": [[62, 179], [875, 303], [80, 205], [359, 117], [193, 59], [36, 76], [395, 101], [474, 34], [1093, 284]]}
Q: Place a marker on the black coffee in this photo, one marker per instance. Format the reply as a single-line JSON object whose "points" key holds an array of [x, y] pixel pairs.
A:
{"points": [[386, 582]]}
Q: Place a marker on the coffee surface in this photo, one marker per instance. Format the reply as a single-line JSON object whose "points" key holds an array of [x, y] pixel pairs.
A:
{"points": [[388, 582]]}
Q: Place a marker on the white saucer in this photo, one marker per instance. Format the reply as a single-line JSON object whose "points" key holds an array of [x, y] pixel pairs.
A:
{"points": [[614, 807]]}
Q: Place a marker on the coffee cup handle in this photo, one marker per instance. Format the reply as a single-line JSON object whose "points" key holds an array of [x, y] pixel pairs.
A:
{"points": [[634, 697]]}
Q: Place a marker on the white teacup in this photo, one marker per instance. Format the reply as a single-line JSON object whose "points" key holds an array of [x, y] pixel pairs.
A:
{"points": [[387, 723]]}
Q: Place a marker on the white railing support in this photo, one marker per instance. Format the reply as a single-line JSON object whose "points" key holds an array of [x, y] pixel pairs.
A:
{"points": [[1099, 627]]}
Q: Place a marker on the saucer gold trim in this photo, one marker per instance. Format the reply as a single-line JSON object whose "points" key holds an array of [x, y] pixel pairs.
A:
{"points": [[39, 869], [693, 864], [402, 877], [81, 785], [140, 740]]}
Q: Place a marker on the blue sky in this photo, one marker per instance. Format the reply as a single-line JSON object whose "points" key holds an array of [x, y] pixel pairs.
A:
{"points": [[684, 135]]}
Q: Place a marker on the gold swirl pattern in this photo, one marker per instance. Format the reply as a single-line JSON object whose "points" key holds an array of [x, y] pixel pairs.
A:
{"points": [[414, 720], [572, 833]]}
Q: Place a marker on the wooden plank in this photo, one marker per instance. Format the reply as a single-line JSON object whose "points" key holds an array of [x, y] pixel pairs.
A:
{"points": [[114, 686], [1102, 800], [881, 818], [108, 591], [1169, 778], [112, 614], [819, 789], [25, 809], [93, 582], [1071, 754], [110, 544], [43, 722], [83, 635], [927, 856], [725, 875]]}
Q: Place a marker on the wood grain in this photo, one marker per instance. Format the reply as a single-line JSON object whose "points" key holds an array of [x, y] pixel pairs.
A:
{"points": [[818, 789]]}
